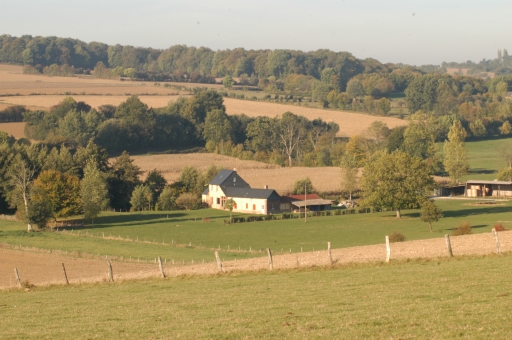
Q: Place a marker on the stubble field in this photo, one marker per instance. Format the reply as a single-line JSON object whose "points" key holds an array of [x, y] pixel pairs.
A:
{"points": [[257, 174], [42, 92]]}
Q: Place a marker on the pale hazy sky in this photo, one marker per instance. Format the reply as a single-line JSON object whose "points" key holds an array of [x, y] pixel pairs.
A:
{"points": [[408, 31]]}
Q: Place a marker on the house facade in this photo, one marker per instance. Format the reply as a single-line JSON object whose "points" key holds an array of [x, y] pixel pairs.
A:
{"points": [[228, 184]]}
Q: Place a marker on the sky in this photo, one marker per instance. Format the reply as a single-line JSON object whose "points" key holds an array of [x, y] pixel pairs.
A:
{"points": [[413, 32]]}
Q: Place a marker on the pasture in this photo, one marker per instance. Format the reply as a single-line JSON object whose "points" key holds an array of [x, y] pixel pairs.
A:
{"points": [[151, 234], [427, 299]]}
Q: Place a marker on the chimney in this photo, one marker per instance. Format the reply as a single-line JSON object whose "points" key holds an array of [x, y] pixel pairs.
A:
{"points": [[265, 187], [234, 169]]}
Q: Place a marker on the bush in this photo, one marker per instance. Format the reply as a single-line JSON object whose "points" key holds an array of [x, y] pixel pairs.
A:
{"points": [[464, 228], [499, 227], [396, 236]]}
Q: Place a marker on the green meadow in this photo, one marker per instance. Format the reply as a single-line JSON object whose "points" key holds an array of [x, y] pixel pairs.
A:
{"points": [[152, 234], [466, 297]]}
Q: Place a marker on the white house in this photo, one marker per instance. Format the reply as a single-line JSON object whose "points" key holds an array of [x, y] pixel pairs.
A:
{"points": [[228, 184]]}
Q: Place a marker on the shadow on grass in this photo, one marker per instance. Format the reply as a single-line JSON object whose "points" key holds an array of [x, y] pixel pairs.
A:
{"points": [[479, 171], [472, 227], [477, 211]]}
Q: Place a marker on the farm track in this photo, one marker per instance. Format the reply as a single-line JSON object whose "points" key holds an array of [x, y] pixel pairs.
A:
{"points": [[44, 269]]}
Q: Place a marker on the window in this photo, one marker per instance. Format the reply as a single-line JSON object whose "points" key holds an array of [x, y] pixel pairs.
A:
{"points": [[254, 207], [263, 207], [246, 205], [218, 200]]}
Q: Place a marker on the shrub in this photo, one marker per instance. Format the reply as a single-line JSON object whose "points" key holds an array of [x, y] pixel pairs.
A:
{"points": [[396, 236], [464, 228], [499, 227]]}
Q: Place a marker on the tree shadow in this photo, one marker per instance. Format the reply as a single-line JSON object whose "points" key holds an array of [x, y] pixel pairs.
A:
{"points": [[472, 227], [477, 211]]}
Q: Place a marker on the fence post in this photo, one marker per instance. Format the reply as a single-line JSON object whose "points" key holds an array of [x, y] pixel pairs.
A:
{"points": [[448, 245], [388, 249], [497, 240], [329, 252], [270, 263], [219, 264], [17, 277], [161, 266], [65, 275], [110, 273]]}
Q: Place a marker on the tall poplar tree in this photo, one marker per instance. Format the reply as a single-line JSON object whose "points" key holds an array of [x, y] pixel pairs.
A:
{"points": [[93, 191], [455, 154]]}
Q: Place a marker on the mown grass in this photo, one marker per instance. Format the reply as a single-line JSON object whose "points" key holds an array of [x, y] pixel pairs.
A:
{"points": [[341, 231], [467, 298]]}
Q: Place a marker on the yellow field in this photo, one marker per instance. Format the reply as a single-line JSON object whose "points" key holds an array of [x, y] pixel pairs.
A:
{"points": [[14, 129], [257, 174], [42, 92]]}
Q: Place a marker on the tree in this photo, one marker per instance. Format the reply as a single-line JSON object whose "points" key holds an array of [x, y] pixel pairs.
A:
{"points": [[430, 212], [301, 184], [20, 179], [189, 178], [455, 158], [506, 128], [355, 88], [187, 201], [504, 174], [228, 82], [141, 197], [156, 182], [61, 190], [396, 180], [290, 132], [167, 199], [122, 181], [217, 128], [93, 191], [349, 171], [230, 205], [478, 128]]}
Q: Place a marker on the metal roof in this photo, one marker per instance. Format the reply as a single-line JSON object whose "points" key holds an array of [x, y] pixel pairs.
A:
{"points": [[312, 202], [475, 181]]}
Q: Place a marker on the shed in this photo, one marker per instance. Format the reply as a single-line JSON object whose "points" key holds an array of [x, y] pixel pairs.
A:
{"points": [[482, 188], [311, 202]]}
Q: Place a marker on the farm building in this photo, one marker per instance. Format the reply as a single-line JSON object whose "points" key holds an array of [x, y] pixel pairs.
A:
{"points": [[228, 184], [312, 202], [480, 188]]}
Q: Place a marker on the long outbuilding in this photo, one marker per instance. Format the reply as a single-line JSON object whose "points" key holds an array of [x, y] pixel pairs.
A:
{"points": [[481, 188]]}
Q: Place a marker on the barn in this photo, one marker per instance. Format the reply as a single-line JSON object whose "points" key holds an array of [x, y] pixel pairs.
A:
{"points": [[481, 188]]}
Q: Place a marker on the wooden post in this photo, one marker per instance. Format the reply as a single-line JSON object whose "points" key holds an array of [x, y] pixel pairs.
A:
{"points": [[17, 277], [161, 267], [329, 252], [498, 247], [270, 263], [110, 273], [448, 245], [388, 249], [219, 264], [65, 275]]}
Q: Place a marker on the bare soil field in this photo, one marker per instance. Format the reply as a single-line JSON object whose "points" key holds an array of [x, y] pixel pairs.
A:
{"points": [[42, 92], [43, 269], [15, 129], [257, 174]]}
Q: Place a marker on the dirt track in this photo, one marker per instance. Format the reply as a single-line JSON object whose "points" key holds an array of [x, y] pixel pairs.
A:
{"points": [[42, 268]]}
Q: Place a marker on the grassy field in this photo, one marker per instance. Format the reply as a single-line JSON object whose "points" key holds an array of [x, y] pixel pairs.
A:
{"points": [[204, 237], [437, 299]]}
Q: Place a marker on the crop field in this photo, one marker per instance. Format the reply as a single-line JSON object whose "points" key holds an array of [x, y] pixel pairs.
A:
{"points": [[425, 299], [257, 174], [42, 92], [14, 129]]}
